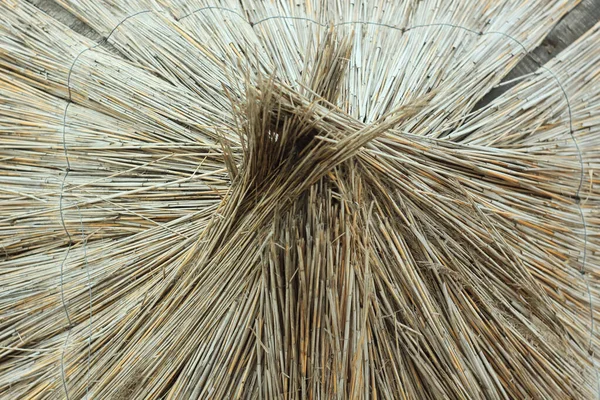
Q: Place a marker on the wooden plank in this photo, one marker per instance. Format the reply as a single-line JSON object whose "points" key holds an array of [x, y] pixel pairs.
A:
{"points": [[60, 14], [583, 17]]}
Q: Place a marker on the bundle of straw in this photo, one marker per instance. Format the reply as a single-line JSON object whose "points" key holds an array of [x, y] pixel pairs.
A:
{"points": [[297, 199]]}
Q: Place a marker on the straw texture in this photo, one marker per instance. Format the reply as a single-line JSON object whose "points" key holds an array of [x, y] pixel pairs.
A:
{"points": [[297, 200]]}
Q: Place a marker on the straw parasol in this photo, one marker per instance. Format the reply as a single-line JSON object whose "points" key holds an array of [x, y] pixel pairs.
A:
{"points": [[264, 199]]}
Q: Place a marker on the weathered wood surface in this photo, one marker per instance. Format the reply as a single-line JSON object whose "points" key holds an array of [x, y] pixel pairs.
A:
{"points": [[56, 11], [585, 15]]}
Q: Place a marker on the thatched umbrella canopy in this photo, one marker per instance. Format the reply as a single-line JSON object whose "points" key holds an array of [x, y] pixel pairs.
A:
{"points": [[264, 199]]}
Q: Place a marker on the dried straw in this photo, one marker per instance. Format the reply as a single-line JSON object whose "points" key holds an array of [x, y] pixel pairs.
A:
{"points": [[269, 199]]}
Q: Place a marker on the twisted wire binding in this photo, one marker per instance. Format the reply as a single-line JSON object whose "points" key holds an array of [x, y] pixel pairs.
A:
{"points": [[62, 364], [62, 218], [62, 265], [61, 211], [402, 29]]}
